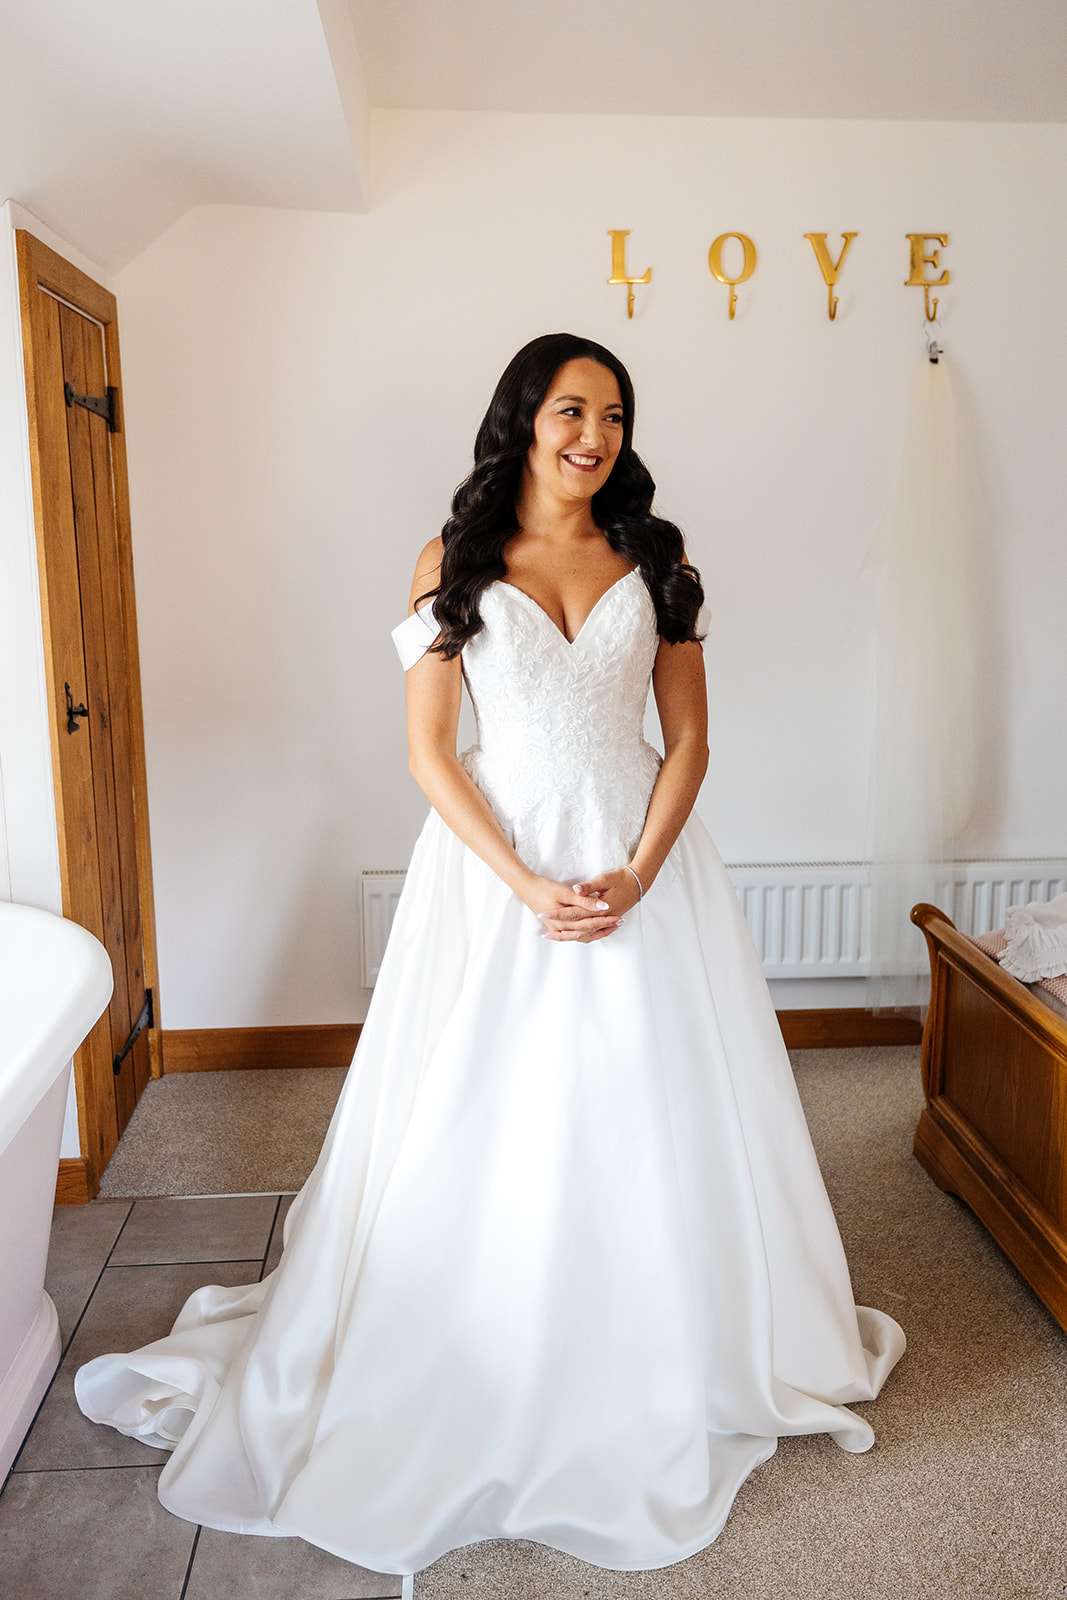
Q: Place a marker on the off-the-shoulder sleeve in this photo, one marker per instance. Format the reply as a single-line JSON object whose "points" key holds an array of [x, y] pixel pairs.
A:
{"points": [[415, 635]]}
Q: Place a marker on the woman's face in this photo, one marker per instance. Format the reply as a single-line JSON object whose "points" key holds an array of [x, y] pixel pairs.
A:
{"points": [[577, 431]]}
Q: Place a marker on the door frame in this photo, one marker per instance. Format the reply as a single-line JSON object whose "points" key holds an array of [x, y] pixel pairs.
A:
{"points": [[40, 268]]}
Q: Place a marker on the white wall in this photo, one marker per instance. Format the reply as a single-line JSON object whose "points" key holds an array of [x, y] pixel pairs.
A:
{"points": [[29, 857], [302, 393]]}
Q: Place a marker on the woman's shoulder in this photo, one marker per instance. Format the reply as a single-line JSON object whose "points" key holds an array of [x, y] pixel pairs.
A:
{"points": [[427, 570], [430, 558]]}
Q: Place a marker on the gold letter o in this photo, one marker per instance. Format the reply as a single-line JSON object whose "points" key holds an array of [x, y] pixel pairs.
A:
{"points": [[715, 258]]}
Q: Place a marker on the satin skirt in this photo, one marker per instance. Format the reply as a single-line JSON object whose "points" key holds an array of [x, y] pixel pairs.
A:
{"points": [[565, 1269]]}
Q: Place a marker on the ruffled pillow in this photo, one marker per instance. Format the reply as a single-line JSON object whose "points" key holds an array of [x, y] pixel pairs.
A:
{"points": [[1037, 940]]}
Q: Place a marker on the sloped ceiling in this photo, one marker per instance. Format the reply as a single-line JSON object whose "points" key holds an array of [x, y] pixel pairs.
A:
{"points": [[117, 116]]}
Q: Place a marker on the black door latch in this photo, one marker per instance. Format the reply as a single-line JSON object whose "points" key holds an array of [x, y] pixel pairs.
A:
{"points": [[145, 1019], [73, 711]]}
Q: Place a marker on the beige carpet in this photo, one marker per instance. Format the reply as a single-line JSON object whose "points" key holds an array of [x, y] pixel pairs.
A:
{"points": [[964, 1497], [224, 1133]]}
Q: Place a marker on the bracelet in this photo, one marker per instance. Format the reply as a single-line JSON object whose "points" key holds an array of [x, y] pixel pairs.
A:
{"points": [[637, 880]]}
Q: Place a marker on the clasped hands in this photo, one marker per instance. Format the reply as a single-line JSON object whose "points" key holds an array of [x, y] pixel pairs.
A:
{"points": [[581, 913]]}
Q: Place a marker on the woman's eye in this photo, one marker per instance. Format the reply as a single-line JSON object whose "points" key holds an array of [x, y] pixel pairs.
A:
{"points": [[615, 421]]}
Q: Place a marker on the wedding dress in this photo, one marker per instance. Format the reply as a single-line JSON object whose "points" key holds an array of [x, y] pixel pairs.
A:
{"points": [[565, 1269]]}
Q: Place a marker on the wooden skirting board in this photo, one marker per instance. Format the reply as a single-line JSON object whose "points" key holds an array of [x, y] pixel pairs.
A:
{"points": [[332, 1044], [848, 1029], [225, 1049], [72, 1184]]}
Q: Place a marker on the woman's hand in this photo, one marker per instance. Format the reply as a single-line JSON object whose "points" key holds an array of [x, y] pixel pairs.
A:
{"points": [[573, 915], [617, 890], [583, 912]]}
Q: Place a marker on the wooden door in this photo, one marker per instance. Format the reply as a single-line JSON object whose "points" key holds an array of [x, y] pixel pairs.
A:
{"points": [[71, 352]]}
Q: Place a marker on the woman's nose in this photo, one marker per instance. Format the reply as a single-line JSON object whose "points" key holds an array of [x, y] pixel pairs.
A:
{"points": [[591, 431]]}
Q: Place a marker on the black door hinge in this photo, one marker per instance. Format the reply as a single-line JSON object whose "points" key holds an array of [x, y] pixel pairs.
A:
{"points": [[101, 405], [145, 1019]]}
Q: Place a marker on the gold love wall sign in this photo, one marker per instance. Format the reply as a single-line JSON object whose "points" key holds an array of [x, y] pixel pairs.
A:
{"points": [[924, 262]]}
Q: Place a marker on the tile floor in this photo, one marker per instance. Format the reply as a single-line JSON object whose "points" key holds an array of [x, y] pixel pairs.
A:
{"points": [[79, 1518]]}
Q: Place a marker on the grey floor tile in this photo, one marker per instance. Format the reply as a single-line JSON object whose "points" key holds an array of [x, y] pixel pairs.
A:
{"points": [[90, 1536], [274, 1254], [132, 1306], [234, 1566], [232, 1229], [81, 1238]]}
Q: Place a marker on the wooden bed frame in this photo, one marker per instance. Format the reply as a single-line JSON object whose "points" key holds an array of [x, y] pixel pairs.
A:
{"points": [[994, 1129]]}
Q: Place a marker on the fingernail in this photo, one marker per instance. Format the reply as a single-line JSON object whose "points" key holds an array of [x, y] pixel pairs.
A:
{"points": [[544, 914], [576, 888], [602, 905]]}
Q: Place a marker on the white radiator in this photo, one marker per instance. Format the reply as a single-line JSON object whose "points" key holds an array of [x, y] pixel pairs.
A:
{"points": [[379, 893], [813, 920], [809, 920], [983, 892]]}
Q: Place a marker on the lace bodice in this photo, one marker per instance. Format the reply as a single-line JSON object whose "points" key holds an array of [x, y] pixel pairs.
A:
{"points": [[561, 755]]}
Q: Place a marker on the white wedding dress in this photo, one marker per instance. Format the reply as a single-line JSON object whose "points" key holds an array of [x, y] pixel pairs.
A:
{"points": [[565, 1269]]}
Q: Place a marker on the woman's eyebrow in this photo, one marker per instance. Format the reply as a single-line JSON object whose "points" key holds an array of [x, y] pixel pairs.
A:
{"points": [[613, 405]]}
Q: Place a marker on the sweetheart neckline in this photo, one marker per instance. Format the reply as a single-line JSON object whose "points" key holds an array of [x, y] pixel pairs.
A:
{"points": [[504, 582]]}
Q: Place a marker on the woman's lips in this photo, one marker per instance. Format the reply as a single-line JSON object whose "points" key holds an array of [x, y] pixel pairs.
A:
{"points": [[583, 463]]}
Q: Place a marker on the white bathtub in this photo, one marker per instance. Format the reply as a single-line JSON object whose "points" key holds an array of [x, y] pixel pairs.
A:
{"points": [[55, 980]]}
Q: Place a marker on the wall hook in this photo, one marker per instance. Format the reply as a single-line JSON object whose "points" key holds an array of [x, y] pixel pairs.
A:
{"points": [[921, 258], [715, 266], [830, 269], [619, 274]]}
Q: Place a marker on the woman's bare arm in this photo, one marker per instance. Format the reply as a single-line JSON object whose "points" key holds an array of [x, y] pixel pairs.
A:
{"points": [[681, 692], [434, 691]]}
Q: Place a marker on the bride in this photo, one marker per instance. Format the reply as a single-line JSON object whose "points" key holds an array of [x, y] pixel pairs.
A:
{"points": [[565, 1269]]}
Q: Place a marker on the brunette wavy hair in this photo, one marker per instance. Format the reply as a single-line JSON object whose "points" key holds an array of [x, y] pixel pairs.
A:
{"points": [[483, 507]]}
